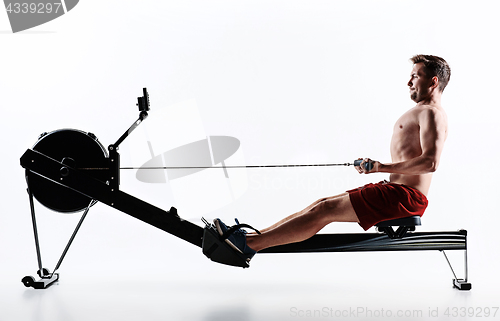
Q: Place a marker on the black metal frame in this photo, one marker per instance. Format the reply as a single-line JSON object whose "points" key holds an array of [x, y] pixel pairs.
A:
{"points": [[207, 238]]}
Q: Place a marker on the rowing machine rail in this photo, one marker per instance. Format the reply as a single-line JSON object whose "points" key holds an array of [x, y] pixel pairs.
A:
{"points": [[387, 240], [68, 171]]}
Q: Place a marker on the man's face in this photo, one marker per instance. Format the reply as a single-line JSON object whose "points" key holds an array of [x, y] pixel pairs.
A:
{"points": [[419, 83]]}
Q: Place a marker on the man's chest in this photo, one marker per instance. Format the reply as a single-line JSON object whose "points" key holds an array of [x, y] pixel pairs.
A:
{"points": [[406, 132]]}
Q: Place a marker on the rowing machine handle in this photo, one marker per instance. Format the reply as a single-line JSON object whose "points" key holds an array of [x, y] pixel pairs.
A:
{"points": [[368, 166]]}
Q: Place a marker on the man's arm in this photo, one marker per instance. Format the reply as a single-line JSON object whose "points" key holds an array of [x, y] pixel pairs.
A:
{"points": [[432, 137]]}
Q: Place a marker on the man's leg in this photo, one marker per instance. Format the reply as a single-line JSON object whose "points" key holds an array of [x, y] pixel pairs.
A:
{"points": [[307, 209], [304, 224]]}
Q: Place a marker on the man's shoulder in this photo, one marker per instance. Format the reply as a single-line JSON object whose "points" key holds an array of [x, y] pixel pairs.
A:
{"points": [[425, 111], [433, 116]]}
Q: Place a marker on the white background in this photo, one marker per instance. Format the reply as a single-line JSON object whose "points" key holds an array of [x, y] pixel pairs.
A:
{"points": [[295, 82]]}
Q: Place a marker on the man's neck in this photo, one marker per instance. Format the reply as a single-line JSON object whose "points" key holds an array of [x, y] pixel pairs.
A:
{"points": [[432, 100]]}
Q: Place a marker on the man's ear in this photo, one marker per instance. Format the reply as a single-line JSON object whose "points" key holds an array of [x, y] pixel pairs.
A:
{"points": [[435, 82]]}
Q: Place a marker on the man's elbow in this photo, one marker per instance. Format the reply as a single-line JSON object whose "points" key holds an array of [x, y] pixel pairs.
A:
{"points": [[432, 165]]}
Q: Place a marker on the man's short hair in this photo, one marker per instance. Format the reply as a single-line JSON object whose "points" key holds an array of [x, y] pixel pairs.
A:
{"points": [[434, 66]]}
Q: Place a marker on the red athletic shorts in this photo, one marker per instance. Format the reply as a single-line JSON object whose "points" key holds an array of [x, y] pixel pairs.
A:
{"points": [[383, 201]]}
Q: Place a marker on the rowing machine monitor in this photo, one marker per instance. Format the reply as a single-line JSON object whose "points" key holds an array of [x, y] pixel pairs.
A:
{"points": [[143, 102]]}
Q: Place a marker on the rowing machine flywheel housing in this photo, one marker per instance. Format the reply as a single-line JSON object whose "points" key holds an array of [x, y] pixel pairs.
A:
{"points": [[75, 149]]}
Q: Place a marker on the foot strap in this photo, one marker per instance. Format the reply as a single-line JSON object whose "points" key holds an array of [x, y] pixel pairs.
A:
{"points": [[236, 227]]}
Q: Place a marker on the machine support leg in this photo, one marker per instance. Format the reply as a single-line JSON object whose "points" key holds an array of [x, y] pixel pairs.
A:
{"points": [[446, 257], [461, 284], [35, 232], [466, 266], [47, 278], [73, 236]]}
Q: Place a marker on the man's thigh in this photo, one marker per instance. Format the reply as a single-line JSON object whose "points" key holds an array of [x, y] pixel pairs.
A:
{"points": [[339, 209]]}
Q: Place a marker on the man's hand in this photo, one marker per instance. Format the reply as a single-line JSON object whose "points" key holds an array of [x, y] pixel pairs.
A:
{"points": [[361, 168]]}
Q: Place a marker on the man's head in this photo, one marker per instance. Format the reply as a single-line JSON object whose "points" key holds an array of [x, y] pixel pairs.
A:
{"points": [[429, 77], [434, 66]]}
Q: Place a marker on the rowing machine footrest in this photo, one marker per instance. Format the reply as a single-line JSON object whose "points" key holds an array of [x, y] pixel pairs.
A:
{"points": [[462, 284], [43, 283], [219, 251]]}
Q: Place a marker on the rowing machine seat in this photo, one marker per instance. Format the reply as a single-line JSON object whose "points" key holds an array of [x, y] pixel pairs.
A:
{"points": [[405, 224], [405, 221]]}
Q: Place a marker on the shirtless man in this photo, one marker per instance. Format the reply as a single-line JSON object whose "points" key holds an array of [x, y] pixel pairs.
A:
{"points": [[416, 147]]}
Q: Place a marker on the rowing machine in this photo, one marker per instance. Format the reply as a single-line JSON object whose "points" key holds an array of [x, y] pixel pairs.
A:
{"points": [[68, 171]]}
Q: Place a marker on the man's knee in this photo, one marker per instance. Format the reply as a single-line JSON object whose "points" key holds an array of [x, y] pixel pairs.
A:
{"points": [[321, 201], [326, 207]]}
